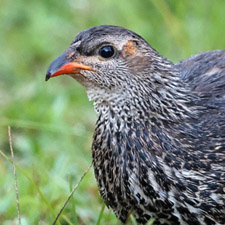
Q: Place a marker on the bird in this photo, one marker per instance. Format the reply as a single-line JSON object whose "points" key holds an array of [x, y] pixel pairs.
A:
{"points": [[159, 143]]}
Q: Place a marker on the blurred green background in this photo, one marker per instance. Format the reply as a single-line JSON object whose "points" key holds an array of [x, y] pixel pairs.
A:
{"points": [[52, 123]]}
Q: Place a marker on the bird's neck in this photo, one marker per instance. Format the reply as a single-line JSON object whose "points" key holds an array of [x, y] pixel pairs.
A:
{"points": [[134, 132], [126, 136], [164, 99], [150, 117]]}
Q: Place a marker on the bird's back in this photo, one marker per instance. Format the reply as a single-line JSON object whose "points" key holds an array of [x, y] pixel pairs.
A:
{"points": [[205, 76], [205, 73]]}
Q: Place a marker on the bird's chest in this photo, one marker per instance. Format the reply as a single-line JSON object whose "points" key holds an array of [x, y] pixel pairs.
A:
{"points": [[128, 178], [113, 170]]}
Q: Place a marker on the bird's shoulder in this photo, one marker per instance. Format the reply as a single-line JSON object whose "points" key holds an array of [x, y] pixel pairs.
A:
{"points": [[204, 72], [205, 75]]}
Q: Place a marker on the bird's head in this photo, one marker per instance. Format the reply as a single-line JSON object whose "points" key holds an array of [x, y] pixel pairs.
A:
{"points": [[114, 63]]}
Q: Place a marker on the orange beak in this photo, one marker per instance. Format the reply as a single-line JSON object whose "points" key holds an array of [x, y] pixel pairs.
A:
{"points": [[64, 65]]}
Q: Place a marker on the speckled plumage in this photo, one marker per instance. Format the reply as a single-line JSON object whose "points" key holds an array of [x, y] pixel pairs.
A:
{"points": [[159, 142]]}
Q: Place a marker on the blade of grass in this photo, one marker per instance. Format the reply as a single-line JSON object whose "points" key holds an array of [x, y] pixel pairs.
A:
{"points": [[151, 221], [100, 214], [34, 185], [73, 202], [133, 220], [36, 125], [67, 220]]}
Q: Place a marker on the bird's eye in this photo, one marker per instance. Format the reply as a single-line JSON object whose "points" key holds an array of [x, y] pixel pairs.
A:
{"points": [[106, 51]]}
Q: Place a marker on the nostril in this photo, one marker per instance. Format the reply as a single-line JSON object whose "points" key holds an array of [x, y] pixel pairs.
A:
{"points": [[70, 55]]}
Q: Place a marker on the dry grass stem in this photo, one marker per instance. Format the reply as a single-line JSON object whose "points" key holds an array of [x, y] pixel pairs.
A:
{"points": [[14, 171], [70, 195]]}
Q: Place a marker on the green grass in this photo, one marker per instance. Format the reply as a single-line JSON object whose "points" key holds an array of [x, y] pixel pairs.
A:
{"points": [[53, 123]]}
